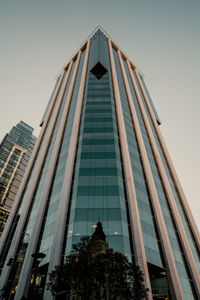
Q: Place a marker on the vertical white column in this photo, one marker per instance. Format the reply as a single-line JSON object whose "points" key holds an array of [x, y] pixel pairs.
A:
{"points": [[25, 277], [57, 247], [171, 201], [17, 236], [163, 236], [29, 169], [136, 229], [187, 210]]}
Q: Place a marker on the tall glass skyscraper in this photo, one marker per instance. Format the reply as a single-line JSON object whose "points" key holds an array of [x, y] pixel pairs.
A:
{"points": [[15, 151], [100, 156]]}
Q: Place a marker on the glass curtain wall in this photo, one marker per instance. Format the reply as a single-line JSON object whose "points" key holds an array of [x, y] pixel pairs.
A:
{"points": [[98, 189]]}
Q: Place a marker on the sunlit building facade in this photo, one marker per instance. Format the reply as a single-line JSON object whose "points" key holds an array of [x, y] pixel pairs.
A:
{"points": [[100, 156]]}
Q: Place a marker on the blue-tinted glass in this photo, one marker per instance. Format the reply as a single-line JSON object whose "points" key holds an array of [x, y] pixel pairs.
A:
{"points": [[98, 189], [161, 193], [138, 175]]}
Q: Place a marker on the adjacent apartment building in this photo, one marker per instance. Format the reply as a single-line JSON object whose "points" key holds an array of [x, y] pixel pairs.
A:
{"points": [[100, 155], [15, 151]]}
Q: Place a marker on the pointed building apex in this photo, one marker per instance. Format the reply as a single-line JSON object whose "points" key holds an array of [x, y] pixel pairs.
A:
{"points": [[99, 30]]}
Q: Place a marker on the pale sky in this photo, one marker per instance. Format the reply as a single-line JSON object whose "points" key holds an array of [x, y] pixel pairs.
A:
{"points": [[37, 37]]}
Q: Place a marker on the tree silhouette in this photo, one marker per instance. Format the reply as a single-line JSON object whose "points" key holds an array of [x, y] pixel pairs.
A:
{"points": [[95, 272]]}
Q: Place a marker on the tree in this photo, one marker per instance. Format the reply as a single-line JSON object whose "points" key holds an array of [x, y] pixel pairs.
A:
{"points": [[95, 272]]}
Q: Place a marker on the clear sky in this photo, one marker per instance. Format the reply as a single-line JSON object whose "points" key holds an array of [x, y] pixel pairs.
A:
{"points": [[37, 37]]}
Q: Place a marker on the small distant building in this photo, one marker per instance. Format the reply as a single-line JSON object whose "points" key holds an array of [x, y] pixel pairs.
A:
{"points": [[15, 152]]}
